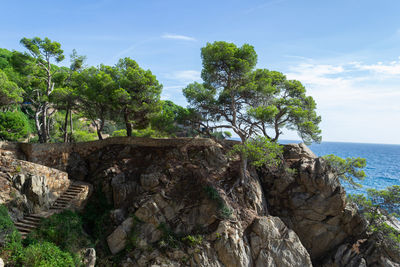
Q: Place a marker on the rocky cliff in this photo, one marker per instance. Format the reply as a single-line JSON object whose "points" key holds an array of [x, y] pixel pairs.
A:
{"points": [[175, 203]]}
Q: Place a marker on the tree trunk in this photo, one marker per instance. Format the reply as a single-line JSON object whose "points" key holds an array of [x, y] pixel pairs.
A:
{"points": [[243, 163], [44, 124], [99, 134], [71, 128], [37, 124], [243, 169], [127, 124], [66, 126], [99, 129]]}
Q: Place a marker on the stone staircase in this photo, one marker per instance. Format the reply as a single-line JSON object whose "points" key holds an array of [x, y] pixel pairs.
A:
{"points": [[66, 200]]}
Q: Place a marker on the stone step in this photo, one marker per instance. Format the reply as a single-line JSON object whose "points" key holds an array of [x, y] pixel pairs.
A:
{"points": [[24, 229], [26, 222], [73, 191], [32, 219], [63, 201], [36, 216], [69, 195], [76, 186], [25, 225]]}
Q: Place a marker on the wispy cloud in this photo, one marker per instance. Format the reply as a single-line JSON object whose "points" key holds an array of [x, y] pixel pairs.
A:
{"points": [[391, 68], [356, 100], [178, 37], [184, 76]]}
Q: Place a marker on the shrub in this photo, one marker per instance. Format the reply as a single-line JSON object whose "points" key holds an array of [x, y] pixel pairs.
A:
{"points": [[13, 125], [10, 237], [224, 211], [379, 207], [64, 230], [193, 240], [83, 136], [46, 254], [121, 132]]}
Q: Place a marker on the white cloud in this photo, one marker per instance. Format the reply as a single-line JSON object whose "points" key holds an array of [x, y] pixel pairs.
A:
{"points": [[185, 76], [357, 101], [178, 37], [391, 68]]}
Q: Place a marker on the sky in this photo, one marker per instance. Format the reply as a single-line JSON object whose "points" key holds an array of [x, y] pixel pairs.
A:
{"points": [[346, 53]]}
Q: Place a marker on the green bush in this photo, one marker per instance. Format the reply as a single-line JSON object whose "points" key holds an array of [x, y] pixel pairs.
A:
{"points": [[13, 125], [83, 136], [12, 247], [63, 229], [224, 211], [46, 254], [121, 132]]}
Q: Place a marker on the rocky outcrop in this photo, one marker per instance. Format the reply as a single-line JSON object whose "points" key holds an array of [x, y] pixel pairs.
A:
{"points": [[176, 203], [311, 201], [40, 184]]}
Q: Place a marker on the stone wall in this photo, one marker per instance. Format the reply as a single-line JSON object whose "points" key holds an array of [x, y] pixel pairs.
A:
{"points": [[57, 181], [58, 155], [11, 150]]}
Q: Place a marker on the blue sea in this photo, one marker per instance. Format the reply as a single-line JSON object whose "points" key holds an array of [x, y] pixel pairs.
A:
{"points": [[383, 162]]}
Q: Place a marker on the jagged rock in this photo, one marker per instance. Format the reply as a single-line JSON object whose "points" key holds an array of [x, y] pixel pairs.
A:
{"points": [[89, 257], [117, 216], [312, 202], [150, 181], [230, 246], [19, 180], [123, 188], [117, 240], [37, 192], [269, 233], [298, 151]]}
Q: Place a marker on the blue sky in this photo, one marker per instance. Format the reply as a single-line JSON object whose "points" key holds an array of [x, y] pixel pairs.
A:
{"points": [[346, 53]]}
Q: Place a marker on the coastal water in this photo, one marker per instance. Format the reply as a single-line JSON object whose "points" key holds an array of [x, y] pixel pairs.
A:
{"points": [[383, 162]]}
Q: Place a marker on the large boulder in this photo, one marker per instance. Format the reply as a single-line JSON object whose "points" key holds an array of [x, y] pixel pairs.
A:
{"points": [[269, 233]]}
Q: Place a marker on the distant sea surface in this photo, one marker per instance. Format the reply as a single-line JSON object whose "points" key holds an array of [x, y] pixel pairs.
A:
{"points": [[383, 161]]}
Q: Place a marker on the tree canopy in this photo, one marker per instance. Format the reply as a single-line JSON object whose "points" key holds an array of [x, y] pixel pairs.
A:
{"points": [[248, 101]]}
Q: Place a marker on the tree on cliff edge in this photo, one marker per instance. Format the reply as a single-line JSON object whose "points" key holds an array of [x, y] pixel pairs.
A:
{"points": [[43, 51], [248, 102]]}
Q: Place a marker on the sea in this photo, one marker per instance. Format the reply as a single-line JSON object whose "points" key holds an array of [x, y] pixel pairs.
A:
{"points": [[383, 162]]}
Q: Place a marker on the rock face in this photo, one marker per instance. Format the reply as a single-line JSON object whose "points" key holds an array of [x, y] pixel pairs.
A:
{"points": [[311, 202], [171, 209], [175, 202]]}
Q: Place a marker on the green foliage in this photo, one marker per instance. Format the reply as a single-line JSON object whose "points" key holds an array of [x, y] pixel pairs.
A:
{"points": [[246, 101], [259, 151], [13, 125], [137, 95], [193, 240], [133, 235], [171, 119], [121, 132], [378, 207], [11, 249], [43, 49], [221, 135], [10, 93], [96, 217], [45, 254], [224, 211], [347, 169], [169, 238], [63, 229], [83, 136]]}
